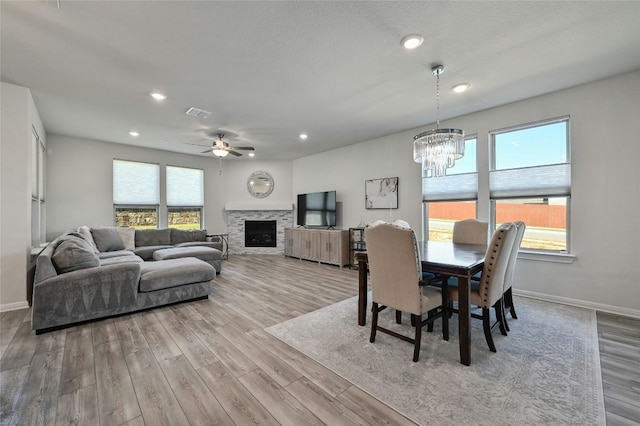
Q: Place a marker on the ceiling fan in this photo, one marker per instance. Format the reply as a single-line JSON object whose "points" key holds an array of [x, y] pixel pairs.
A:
{"points": [[221, 148]]}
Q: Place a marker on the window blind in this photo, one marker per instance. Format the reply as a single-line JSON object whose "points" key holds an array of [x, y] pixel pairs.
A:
{"points": [[461, 187], [136, 183], [185, 186], [548, 180]]}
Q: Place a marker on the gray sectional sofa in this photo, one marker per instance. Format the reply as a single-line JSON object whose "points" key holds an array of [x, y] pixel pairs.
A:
{"points": [[95, 273]]}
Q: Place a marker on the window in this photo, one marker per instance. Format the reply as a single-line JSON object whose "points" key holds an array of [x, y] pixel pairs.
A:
{"points": [[136, 194], [185, 197], [452, 197], [530, 180]]}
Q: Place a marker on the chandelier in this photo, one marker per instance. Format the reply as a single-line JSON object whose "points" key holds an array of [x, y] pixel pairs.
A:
{"points": [[438, 149]]}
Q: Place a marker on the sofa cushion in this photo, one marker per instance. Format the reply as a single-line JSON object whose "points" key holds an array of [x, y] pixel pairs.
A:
{"points": [[128, 236], [107, 239], [86, 232], [146, 252], [183, 236], [173, 273], [215, 245], [73, 254], [116, 253], [153, 237], [121, 259]]}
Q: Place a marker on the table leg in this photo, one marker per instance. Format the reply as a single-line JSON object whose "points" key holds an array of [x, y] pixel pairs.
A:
{"points": [[362, 292], [464, 319]]}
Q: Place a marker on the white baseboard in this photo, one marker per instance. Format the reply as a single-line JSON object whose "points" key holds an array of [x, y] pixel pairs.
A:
{"points": [[13, 306], [633, 313]]}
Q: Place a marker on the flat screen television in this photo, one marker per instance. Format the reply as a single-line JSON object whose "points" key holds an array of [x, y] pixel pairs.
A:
{"points": [[317, 209]]}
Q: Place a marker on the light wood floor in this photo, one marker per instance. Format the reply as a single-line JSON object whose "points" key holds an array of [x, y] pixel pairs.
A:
{"points": [[210, 362]]}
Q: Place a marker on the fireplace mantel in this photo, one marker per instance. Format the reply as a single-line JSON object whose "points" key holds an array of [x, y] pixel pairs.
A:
{"points": [[258, 207]]}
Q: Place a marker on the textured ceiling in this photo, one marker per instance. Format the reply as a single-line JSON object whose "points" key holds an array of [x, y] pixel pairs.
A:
{"points": [[271, 70]]}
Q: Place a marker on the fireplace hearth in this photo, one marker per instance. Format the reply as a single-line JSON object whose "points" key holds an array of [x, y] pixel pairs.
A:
{"points": [[260, 233]]}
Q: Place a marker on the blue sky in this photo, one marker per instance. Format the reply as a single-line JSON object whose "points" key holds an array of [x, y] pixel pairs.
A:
{"points": [[521, 148]]}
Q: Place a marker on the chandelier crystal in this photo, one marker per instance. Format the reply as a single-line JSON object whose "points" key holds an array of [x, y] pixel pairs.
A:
{"points": [[438, 149]]}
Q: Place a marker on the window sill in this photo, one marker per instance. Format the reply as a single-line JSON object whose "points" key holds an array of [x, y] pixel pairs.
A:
{"points": [[547, 256]]}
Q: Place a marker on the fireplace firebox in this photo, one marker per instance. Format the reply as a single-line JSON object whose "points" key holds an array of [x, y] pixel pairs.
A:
{"points": [[260, 233]]}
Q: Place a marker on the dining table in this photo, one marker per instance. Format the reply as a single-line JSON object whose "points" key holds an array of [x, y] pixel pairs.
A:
{"points": [[458, 260]]}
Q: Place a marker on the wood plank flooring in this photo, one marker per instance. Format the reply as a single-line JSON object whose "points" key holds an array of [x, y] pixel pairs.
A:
{"points": [[619, 340], [211, 362]]}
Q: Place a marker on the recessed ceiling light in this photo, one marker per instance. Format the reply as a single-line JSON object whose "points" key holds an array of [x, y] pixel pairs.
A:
{"points": [[303, 136], [459, 88], [412, 41], [158, 96], [134, 133], [252, 154]]}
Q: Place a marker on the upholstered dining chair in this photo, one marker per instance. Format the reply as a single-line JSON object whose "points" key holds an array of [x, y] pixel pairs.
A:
{"points": [[395, 271], [470, 231], [489, 291], [507, 297]]}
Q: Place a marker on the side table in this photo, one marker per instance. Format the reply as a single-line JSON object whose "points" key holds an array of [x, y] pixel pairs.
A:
{"points": [[225, 244]]}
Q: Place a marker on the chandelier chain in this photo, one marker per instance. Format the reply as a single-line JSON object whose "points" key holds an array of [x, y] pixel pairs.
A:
{"points": [[437, 100]]}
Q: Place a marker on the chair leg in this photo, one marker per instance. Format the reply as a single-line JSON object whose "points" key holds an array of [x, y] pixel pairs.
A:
{"points": [[486, 324], [430, 325], [398, 317], [374, 322], [445, 324], [416, 347], [509, 298], [500, 317]]}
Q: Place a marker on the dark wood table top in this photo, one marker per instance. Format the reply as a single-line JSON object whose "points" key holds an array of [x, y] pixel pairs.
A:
{"points": [[451, 258], [448, 258]]}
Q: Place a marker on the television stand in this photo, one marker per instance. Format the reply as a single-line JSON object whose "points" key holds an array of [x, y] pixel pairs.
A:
{"points": [[321, 245]]}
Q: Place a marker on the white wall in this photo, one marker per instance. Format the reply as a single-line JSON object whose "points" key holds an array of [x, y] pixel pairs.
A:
{"points": [[80, 186], [605, 230], [18, 117], [605, 203]]}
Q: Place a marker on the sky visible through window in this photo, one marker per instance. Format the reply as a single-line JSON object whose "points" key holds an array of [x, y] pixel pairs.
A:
{"points": [[534, 146]]}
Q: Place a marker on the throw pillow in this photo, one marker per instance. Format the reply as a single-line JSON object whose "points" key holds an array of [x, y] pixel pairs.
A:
{"points": [[107, 239], [73, 254], [128, 236], [85, 231]]}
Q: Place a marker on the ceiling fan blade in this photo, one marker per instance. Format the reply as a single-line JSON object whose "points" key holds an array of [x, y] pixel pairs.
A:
{"points": [[206, 150], [244, 148], [232, 152]]}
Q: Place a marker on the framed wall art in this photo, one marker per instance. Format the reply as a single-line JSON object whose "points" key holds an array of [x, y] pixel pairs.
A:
{"points": [[381, 193]]}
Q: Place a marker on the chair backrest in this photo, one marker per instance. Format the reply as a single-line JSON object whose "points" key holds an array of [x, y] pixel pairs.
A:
{"points": [[511, 267], [470, 231], [495, 264], [394, 267], [401, 223]]}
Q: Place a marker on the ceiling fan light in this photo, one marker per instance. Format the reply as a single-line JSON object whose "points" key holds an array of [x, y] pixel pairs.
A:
{"points": [[220, 152]]}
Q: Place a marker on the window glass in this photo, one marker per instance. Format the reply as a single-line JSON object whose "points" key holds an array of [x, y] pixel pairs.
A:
{"points": [[531, 181], [185, 217], [546, 220], [466, 164], [532, 146], [137, 217], [443, 214], [136, 193]]}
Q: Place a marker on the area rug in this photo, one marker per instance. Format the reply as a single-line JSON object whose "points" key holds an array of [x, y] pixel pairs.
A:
{"points": [[545, 372]]}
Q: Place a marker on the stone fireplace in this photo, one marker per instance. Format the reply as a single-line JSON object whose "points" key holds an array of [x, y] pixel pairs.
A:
{"points": [[239, 214]]}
